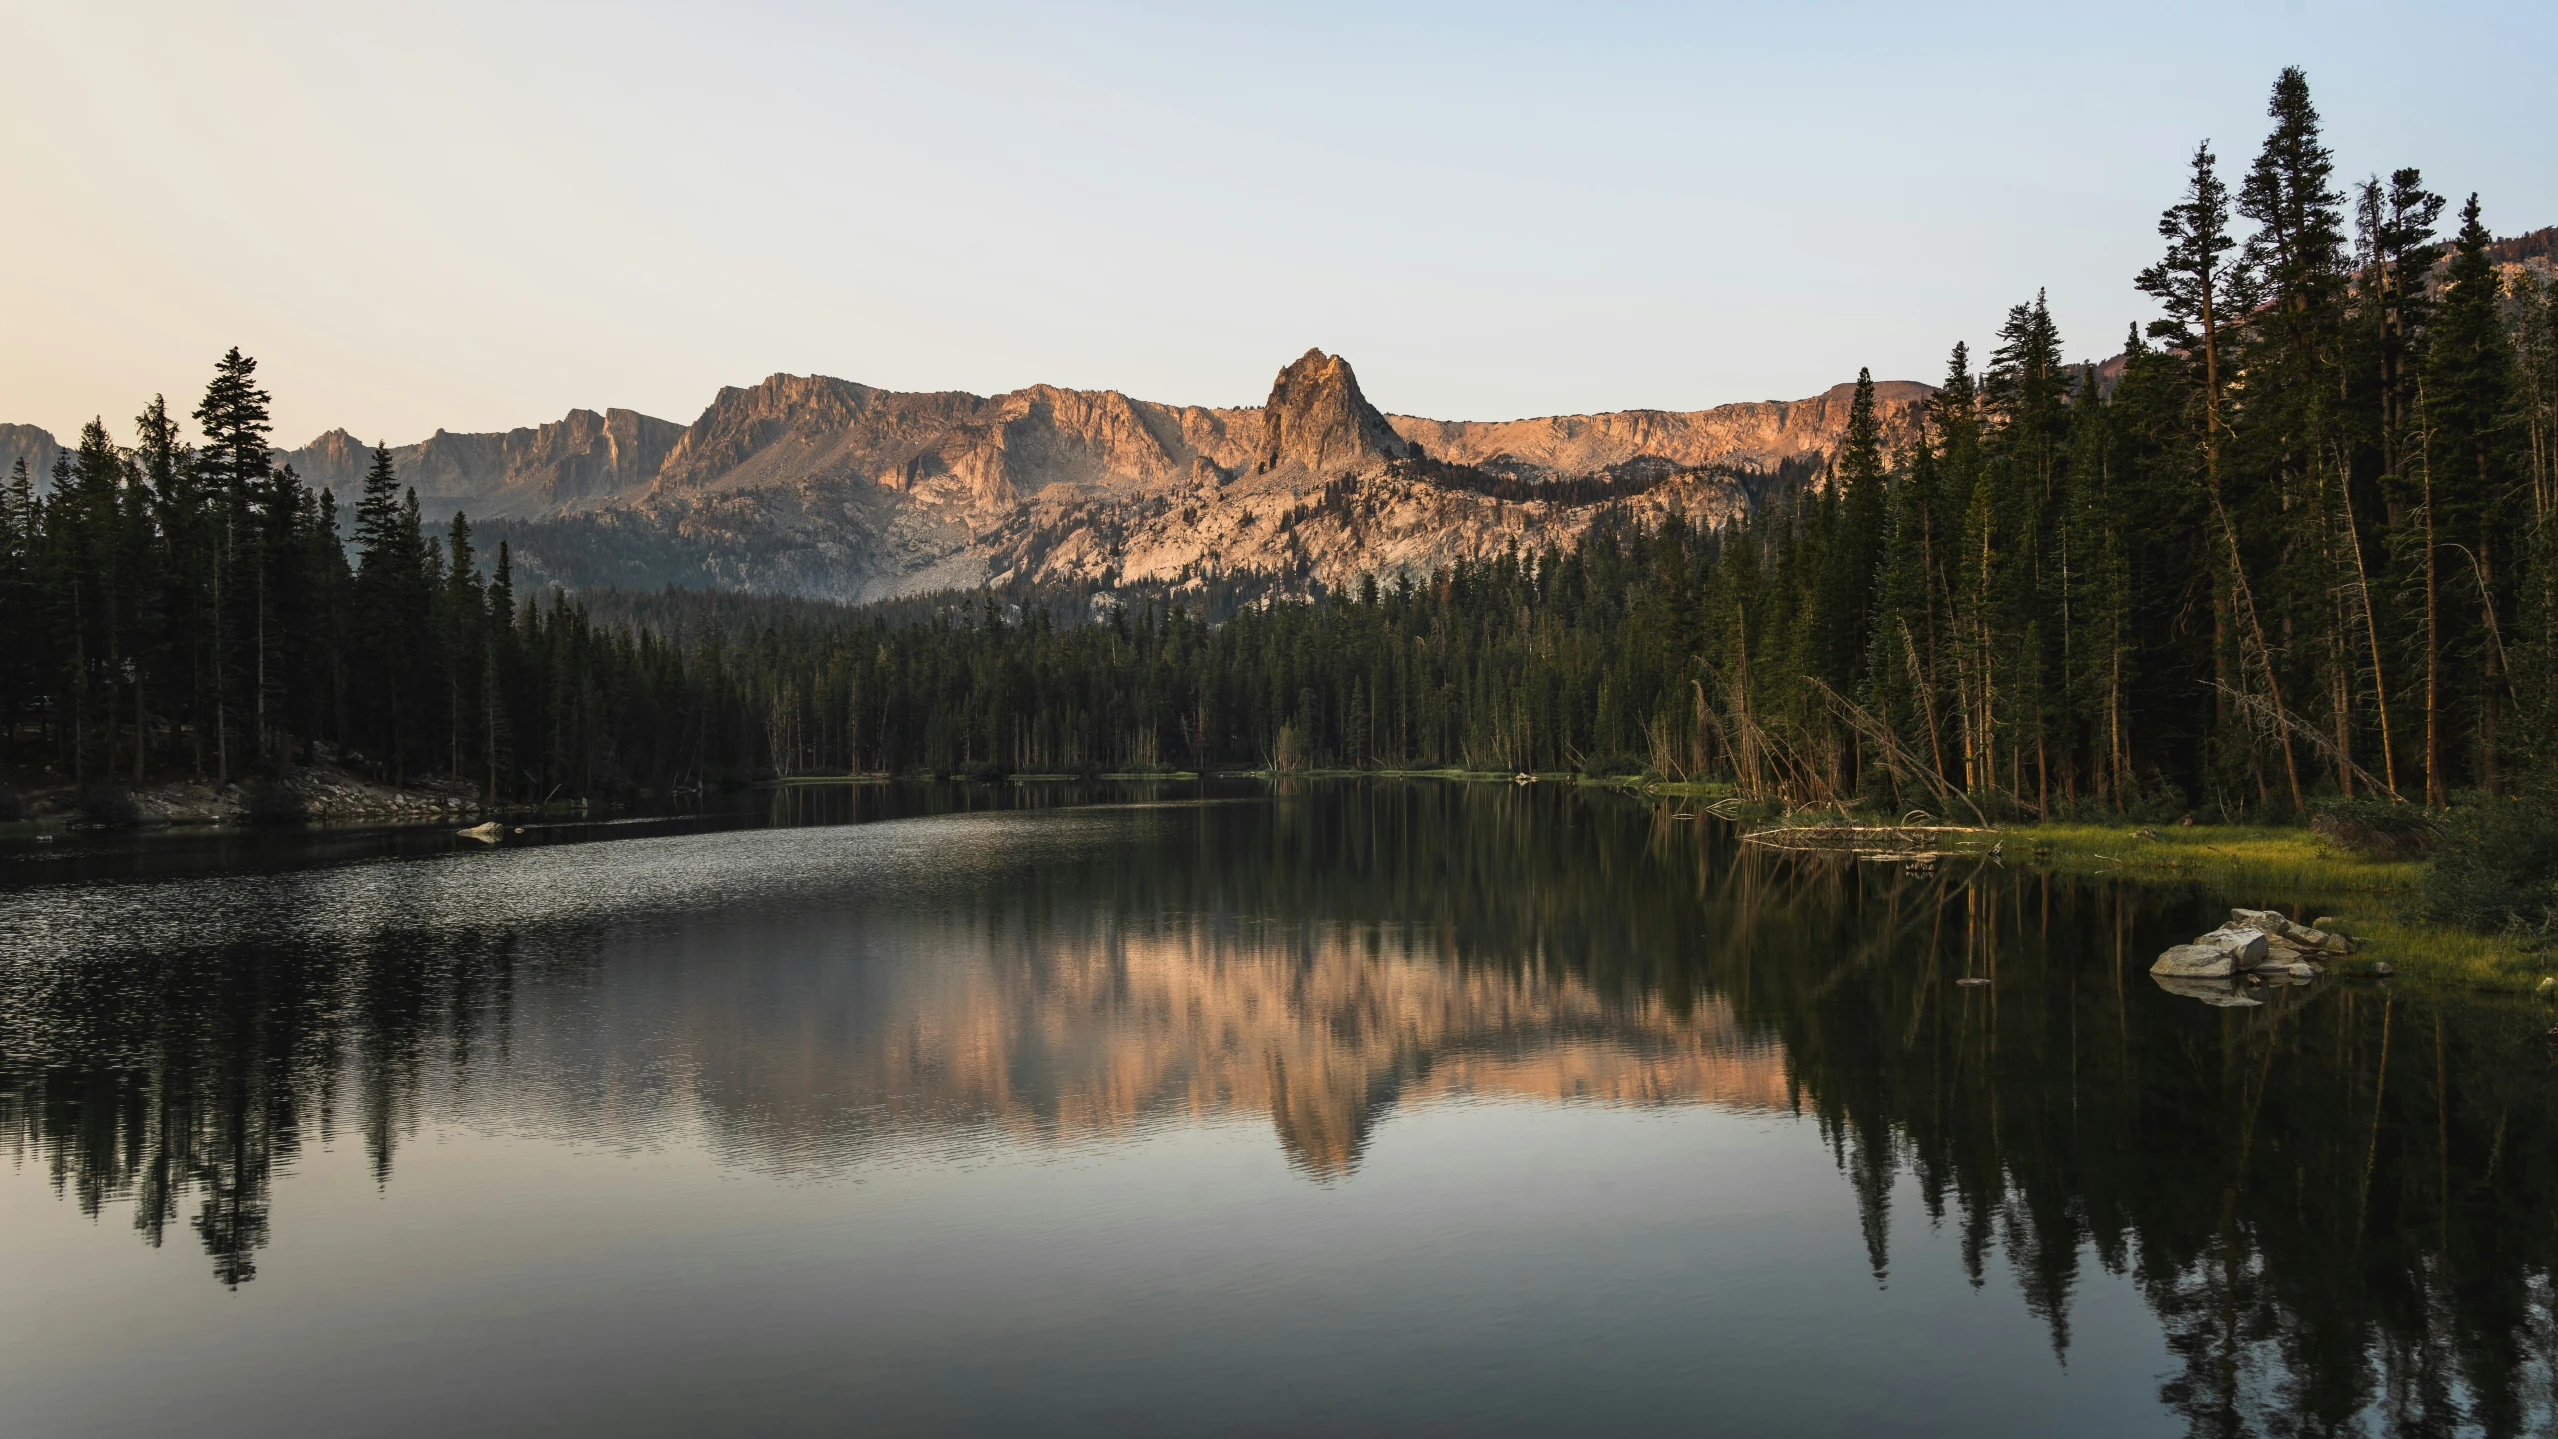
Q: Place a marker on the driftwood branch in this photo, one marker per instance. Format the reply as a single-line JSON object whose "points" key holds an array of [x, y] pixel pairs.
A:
{"points": [[2256, 706], [1865, 841], [1896, 756]]}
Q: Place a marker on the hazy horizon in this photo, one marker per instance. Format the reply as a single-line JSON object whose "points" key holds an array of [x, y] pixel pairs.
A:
{"points": [[480, 218]]}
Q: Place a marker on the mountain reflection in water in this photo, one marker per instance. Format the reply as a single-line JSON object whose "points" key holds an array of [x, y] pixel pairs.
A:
{"points": [[2335, 1207]]}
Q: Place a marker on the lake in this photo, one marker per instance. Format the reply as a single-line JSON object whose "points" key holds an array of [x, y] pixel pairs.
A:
{"points": [[1359, 1106]]}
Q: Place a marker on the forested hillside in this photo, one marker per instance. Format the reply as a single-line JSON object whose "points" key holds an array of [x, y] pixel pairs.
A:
{"points": [[2300, 543]]}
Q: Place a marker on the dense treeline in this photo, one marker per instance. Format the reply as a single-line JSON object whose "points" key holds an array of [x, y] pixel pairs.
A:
{"points": [[168, 606], [2301, 544]]}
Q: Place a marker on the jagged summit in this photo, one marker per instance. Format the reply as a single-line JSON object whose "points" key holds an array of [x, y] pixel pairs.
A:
{"points": [[818, 486], [1317, 418]]}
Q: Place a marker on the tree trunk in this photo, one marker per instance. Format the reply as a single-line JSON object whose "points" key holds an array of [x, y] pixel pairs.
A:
{"points": [[2437, 788]]}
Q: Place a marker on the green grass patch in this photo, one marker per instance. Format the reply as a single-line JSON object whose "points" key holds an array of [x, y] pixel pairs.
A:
{"points": [[2220, 855], [1692, 789], [2261, 866]]}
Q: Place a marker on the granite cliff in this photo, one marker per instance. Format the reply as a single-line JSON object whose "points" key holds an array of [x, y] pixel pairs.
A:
{"points": [[26, 442], [581, 461], [817, 486], [824, 487]]}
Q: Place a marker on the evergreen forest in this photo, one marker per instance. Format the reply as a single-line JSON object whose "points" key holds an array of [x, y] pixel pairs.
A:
{"points": [[2297, 542]]}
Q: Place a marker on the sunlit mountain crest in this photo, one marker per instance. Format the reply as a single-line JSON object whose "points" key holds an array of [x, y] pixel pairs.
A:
{"points": [[812, 485]]}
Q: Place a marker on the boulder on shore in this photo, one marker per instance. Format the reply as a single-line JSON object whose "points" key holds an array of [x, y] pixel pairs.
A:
{"points": [[2287, 934], [2194, 961], [2217, 955]]}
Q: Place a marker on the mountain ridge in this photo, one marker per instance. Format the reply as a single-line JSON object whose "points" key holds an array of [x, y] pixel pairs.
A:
{"points": [[820, 486]]}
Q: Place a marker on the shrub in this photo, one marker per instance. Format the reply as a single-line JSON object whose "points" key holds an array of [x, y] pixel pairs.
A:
{"points": [[2496, 867], [107, 807], [2376, 828], [269, 801], [12, 808], [2152, 801], [1288, 748], [1613, 766], [986, 771]]}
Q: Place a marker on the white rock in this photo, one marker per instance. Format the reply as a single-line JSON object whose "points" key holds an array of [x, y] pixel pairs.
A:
{"points": [[2287, 934], [2194, 961], [2216, 955]]}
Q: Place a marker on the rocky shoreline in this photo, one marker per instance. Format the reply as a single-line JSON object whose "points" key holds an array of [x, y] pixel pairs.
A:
{"points": [[323, 794], [2256, 947]]}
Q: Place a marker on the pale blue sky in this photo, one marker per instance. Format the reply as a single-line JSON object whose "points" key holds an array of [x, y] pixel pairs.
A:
{"points": [[479, 215]]}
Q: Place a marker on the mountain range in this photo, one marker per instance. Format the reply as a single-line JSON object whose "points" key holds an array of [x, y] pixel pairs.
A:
{"points": [[827, 488]]}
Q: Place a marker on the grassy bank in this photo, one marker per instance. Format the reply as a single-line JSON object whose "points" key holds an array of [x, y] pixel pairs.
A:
{"points": [[1704, 789], [2235, 857], [2296, 871]]}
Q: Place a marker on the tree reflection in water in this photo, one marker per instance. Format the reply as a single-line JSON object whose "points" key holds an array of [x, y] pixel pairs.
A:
{"points": [[2336, 1204]]}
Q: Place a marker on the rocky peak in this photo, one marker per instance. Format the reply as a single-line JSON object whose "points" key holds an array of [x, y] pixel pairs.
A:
{"points": [[1317, 418], [795, 427], [335, 461], [35, 446]]}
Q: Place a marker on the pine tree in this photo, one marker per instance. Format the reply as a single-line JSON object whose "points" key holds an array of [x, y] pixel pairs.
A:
{"points": [[386, 583], [461, 621], [2094, 585], [1906, 638], [2299, 245], [234, 465], [23, 667], [1856, 546], [2201, 290], [2470, 490], [2396, 228], [2290, 564], [236, 425], [377, 512], [2027, 387], [82, 579], [496, 691]]}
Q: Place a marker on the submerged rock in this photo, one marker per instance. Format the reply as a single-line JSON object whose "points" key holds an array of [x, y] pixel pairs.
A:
{"points": [[2218, 994]]}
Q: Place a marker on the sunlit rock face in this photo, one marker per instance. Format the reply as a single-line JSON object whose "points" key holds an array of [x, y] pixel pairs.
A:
{"points": [[33, 447], [583, 461], [1317, 421], [1759, 435], [809, 485]]}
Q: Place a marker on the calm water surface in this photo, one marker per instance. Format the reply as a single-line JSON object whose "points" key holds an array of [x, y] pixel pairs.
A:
{"points": [[1345, 1108]]}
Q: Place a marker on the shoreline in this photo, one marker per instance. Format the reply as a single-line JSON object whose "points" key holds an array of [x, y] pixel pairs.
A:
{"points": [[2286, 868]]}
